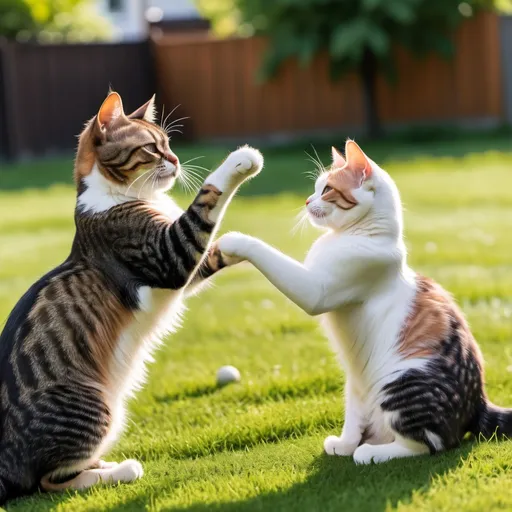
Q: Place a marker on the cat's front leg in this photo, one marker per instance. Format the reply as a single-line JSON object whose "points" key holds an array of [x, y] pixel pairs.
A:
{"points": [[239, 166], [353, 427], [303, 286]]}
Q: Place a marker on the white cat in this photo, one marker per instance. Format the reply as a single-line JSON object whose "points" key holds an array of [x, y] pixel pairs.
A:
{"points": [[414, 373]]}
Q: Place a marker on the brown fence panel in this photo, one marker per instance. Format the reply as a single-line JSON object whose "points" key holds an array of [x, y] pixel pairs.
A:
{"points": [[54, 89], [214, 82]]}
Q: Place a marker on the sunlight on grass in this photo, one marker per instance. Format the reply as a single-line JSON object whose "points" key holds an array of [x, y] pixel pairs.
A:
{"points": [[258, 445]]}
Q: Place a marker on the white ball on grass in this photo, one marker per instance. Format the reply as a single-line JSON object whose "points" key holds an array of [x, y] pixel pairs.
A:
{"points": [[227, 375]]}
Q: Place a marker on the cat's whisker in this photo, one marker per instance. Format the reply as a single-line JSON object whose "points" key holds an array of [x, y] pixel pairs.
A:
{"points": [[189, 183], [144, 184], [192, 159], [173, 123], [173, 131], [318, 166], [135, 181], [301, 221], [162, 115], [194, 184], [194, 172], [198, 167], [321, 165], [168, 115]]}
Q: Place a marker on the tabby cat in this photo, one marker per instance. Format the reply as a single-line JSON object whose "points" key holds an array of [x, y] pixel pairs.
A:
{"points": [[75, 346], [414, 372]]}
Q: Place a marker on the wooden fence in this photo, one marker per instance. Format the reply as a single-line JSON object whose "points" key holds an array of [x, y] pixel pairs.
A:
{"points": [[214, 81], [506, 56], [48, 92]]}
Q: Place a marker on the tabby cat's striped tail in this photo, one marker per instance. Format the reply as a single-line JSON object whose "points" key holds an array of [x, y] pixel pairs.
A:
{"points": [[495, 420]]}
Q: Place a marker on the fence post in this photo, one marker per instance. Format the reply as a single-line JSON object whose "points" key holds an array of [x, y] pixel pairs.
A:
{"points": [[8, 100], [506, 56]]}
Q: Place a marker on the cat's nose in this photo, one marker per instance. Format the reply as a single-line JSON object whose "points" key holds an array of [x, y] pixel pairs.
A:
{"points": [[171, 157], [308, 200]]}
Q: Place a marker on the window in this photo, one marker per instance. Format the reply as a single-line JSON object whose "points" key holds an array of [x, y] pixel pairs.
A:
{"points": [[115, 5]]}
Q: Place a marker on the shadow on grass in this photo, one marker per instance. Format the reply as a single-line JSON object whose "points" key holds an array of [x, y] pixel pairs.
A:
{"points": [[334, 484], [337, 484], [197, 392]]}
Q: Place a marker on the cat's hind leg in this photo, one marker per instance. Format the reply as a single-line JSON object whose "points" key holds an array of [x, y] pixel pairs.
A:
{"points": [[109, 473], [399, 448]]}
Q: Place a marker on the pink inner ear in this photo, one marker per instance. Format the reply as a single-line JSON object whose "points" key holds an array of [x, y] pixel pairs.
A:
{"points": [[111, 109], [337, 158], [357, 160]]}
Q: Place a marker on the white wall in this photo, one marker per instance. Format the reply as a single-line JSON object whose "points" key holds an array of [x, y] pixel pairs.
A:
{"points": [[130, 21]]}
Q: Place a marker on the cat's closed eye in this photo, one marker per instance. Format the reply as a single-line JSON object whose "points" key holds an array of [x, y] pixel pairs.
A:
{"points": [[151, 148]]}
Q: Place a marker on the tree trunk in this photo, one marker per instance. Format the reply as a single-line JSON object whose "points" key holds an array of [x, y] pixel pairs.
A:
{"points": [[368, 73]]}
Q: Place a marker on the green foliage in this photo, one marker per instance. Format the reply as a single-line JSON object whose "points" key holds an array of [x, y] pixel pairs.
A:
{"points": [[345, 28], [15, 15], [349, 28], [53, 21]]}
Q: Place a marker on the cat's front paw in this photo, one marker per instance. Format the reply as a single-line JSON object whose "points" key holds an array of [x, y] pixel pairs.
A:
{"points": [[246, 161], [334, 445], [234, 247], [218, 259], [242, 164]]}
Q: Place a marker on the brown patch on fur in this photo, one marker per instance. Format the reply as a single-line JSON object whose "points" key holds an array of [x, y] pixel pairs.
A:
{"points": [[342, 183], [209, 196], [429, 323], [85, 155]]}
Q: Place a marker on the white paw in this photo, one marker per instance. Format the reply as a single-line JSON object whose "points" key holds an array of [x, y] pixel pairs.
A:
{"points": [[364, 454], [127, 471], [233, 244], [333, 445], [106, 465], [245, 161]]}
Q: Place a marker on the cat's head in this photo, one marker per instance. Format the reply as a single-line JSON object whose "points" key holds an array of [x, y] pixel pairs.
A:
{"points": [[130, 151], [345, 194]]}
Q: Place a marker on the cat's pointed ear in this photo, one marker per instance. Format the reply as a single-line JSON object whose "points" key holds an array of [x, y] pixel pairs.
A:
{"points": [[357, 161], [110, 111], [146, 112], [338, 161]]}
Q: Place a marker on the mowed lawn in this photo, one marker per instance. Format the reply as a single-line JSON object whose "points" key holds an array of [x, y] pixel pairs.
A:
{"points": [[258, 445]]}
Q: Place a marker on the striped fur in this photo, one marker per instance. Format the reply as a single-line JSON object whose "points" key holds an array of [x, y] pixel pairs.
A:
{"points": [[415, 379], [75, 346]]}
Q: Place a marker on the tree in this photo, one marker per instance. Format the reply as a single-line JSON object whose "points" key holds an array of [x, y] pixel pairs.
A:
{"points": [[53, 21], [358, 35]]}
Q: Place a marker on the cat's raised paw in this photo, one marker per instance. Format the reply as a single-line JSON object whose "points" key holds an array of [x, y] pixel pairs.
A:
{"points": [[246, 161], [233, 246], [333, 445]]}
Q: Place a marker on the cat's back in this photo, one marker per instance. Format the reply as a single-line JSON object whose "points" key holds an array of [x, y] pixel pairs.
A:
{"points": [[66, 320]]}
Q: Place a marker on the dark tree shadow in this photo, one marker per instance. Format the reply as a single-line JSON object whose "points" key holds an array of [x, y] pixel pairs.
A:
{"points": [[337, 484]]}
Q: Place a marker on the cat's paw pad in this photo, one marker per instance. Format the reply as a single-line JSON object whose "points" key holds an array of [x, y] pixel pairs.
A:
{"points": [[127, 471], [246, 161], [366, 454], [333, 445]]}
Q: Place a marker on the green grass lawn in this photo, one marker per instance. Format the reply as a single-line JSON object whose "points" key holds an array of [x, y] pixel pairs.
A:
{"points": [[258, 445]]}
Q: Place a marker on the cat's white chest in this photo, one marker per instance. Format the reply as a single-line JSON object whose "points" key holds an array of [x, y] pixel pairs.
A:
{"points": [[159, 313]]}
